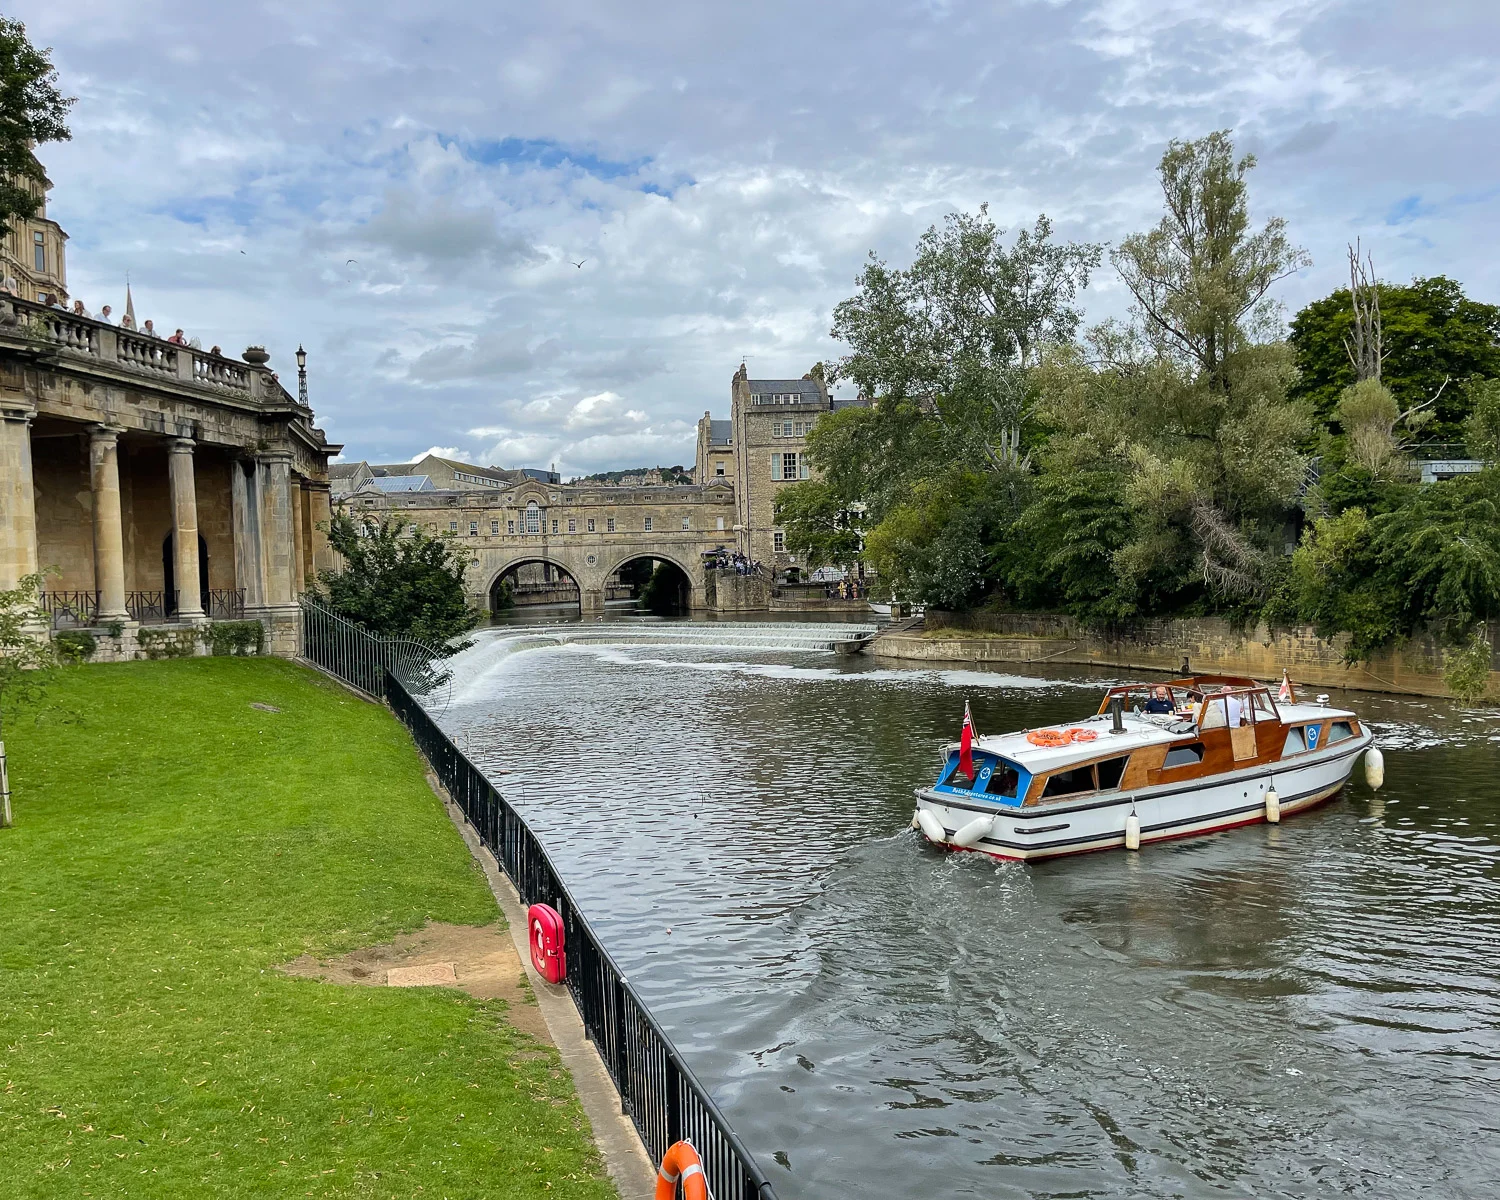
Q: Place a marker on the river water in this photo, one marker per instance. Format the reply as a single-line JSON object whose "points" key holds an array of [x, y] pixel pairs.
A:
{"points": [[1303, 1010]]}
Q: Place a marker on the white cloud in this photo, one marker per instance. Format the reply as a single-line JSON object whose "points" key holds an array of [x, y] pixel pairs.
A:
{"points": [[722, 170]]}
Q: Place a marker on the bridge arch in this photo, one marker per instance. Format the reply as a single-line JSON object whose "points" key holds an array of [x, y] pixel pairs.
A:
{"points": [[662, 582], [537, 581]]}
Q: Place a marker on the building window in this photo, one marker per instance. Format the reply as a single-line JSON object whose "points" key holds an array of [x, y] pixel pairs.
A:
{"points": [[411, 531], [775, 428], [789, 466], [685, 523], [591, 525], [39, 251], [721, 524], [648, 524], [510, 527], [719, 469], [554, 526], [452, 526], [609, 525], [778, 542], [533, 517], [473, 528], [494, 526], [786, 429], [572, 524]]}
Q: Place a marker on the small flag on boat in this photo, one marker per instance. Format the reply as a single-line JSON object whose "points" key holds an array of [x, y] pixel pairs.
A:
{"points": [[966, 744], [1285, 694]]}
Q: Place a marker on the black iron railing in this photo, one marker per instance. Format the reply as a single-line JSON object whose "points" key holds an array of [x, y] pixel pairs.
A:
{"points": [[224, 604], [150, 606], [658, 1090], [70, 608]]}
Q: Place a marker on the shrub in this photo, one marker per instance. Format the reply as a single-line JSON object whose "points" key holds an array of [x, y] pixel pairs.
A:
{"points": [[236, 637], [1466, 670], [75, 645]]}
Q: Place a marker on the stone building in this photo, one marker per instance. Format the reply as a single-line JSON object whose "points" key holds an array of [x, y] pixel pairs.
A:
{"points": [[33, 256], [160, 487], [765, 441]]}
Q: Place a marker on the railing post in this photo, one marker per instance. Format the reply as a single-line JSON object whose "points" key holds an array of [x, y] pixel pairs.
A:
{"points": [[673, 1079]]}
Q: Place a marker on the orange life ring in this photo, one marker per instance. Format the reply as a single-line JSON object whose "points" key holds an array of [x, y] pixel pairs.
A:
{"points": [[1082, 735], [681, 1162], [1047, 737]]}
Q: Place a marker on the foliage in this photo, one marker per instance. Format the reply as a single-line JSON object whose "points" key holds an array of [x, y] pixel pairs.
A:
{"points": [[398, 583], [1368, 414], [504, 596], [32, 112], [1466, 670], [1433, 335], [1482, 425], [177, 846], [818, 527], [1434, 561], [236, 637], [662, 593], [74, 645], [167, 643], [27, 659]]}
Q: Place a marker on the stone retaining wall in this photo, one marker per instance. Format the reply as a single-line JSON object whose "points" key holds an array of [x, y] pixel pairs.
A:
{"points": [[1210, 645]]}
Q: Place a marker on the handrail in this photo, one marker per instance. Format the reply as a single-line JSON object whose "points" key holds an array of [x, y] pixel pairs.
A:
{"points": [[658, 1090]]}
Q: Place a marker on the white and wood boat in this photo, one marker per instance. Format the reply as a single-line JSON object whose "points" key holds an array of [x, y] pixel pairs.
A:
{"points": [[1157, 762]]}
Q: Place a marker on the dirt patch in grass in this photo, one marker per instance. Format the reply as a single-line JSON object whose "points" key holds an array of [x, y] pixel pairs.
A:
{"points": [[482, 958]]}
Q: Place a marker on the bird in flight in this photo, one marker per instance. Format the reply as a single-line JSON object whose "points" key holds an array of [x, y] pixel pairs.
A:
{"points": [[579, 263], [347, 261]]}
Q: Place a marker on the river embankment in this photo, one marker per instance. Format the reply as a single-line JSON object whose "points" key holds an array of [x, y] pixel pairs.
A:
{"points": [[1210, 644]]}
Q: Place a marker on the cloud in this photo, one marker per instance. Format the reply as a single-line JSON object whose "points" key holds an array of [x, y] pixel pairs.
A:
{"points": [[722, 172], [440, 451]]}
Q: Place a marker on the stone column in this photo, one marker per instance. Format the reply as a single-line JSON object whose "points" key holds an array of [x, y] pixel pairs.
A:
{"points": [[184, 530], [320, 516], [17, 495], [278, 549], [244, 494], [299, 539], [109, 532]]}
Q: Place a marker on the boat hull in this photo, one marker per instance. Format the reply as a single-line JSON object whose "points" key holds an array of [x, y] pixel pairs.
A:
{"points": [[1166, 813]]}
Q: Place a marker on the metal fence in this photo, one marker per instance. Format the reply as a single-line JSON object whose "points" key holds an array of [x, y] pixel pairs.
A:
{"points": [[658, 1091]]}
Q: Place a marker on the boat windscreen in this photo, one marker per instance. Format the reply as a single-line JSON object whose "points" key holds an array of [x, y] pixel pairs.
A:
{"points": [[998, 777]]}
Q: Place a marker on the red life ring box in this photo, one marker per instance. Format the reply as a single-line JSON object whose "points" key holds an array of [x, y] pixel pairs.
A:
{"points": [[548, 954]]}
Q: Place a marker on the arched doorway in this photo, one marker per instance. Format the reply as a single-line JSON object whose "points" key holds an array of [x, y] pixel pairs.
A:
{"points": [[535, 587], [169, 574], [653, 585]]}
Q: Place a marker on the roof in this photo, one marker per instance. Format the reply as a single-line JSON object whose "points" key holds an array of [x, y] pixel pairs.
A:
{"points": [[720, 432], [346, 470], [402, 483], [850, 402], [809, 386]]}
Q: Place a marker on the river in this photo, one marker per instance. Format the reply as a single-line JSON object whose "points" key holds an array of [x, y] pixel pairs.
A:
{"points": [[1300, 1010]]}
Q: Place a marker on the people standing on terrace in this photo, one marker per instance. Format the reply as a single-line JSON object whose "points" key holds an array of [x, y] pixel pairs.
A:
{"points": [[127, 321], [176, 339], [80, 311], [148, 329], [104, 315]]}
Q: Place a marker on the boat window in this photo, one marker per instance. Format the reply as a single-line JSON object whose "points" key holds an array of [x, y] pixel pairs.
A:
{"points": [[1069, 783], [1110, 771], [1339, 731], [956, 777], [1003, 781], [1295, 742], [1182, 756]]}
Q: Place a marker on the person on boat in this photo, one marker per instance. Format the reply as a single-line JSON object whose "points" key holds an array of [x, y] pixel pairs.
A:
{"points": [[1160, 700], [1236, 710]]}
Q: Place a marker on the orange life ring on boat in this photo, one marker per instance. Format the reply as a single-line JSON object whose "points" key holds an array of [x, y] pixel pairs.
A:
{"points": [[1048, 737], [681, 1162], [1082, 735]]}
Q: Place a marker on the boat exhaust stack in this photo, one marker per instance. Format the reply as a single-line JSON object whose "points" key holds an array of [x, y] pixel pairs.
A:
{"points": [[1117, 714]]}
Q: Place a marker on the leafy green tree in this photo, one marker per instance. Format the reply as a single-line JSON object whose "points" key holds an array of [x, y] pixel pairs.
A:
{"points": [[1437, 343], [398, 583], [818, 526], [1482, 426], [27, 659], [32, 111]]}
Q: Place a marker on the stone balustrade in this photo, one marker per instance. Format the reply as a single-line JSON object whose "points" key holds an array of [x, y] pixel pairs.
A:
{"points": [[134, 351]]}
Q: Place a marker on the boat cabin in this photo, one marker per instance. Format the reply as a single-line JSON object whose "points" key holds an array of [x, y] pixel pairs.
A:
{"points": [[1146, 735]]}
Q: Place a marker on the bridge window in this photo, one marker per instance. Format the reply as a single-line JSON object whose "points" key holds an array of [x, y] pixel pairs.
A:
{"points": [[510, 527], [591, 525], [494, 526], [473, 528], [452, 526], [554, 526], [648, 524], [572, 524], [533, 518], [609, 525], [721, 524], [686, 524]]}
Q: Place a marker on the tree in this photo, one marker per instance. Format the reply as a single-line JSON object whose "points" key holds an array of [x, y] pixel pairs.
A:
{"points": [[27, 658], [397, 582], [1436, 345], [1482, 426], [32, 112], [819, 526]]}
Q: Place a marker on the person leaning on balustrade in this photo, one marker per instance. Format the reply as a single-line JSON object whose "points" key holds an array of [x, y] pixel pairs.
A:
{"points": [[149, 329], [80, 311], [104, 315], [177, 339]]}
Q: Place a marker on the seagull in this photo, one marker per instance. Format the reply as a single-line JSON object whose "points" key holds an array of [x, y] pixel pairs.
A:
{"points": [[347, 261], [579, 263]]}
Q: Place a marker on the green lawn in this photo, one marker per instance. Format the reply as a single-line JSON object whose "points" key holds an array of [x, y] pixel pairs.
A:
{"points": [[172, 844]]}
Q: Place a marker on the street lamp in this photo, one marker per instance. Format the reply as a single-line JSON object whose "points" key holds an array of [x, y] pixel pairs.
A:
{"points": [[302, 376]]}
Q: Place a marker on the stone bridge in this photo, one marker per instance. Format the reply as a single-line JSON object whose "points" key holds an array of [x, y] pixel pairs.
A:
{"points": [[587, 531]]}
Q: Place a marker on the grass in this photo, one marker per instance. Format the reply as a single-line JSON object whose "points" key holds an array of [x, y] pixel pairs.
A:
{"points": [[172, 845]]}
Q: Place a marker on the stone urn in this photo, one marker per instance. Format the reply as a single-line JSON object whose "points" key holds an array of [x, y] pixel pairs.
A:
{"points": [[256, 356]]}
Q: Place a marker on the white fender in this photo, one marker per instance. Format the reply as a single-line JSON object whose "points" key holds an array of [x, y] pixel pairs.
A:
{"points": [[1273, 807], [1132, 832], [1374, 767], [973, 831], [931, 826]]}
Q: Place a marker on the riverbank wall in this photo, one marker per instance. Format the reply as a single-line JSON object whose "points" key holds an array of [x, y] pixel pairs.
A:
{"points": [[1210, 645]]}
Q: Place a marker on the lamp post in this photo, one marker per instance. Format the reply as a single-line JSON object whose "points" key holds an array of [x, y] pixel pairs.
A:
{"points": [[302, 376]]}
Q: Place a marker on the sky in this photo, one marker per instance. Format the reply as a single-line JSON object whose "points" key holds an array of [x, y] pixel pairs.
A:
{"points": [[404, 188]]}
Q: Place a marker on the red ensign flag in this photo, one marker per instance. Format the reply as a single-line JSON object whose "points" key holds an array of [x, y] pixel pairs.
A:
{"points": [[1285, 694], [966, 744]]}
